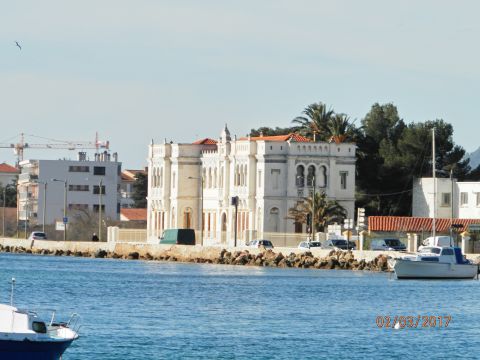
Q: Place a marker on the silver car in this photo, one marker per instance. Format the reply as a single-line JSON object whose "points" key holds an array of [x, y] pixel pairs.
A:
{"points": [[259, 243]]}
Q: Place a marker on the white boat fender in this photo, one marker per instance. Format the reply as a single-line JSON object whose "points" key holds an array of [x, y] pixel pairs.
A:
{"points": [[397, 326]]}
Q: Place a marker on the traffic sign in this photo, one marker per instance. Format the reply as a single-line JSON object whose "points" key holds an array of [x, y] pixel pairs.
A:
{"points": [[65, 220]]}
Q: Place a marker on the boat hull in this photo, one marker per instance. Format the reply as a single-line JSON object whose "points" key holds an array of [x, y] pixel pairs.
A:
{"points": [[38, 350], [408, 269]]}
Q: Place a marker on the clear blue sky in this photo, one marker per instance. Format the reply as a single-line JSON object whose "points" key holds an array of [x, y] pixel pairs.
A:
{"points": [[143, 69]]}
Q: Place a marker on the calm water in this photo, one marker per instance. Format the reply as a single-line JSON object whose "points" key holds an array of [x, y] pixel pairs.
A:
{"points": [[157, 310]]}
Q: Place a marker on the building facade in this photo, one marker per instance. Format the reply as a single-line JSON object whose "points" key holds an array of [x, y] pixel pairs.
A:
{"points": [[128, 178], [453, 199], [88, 186], [192, 185]]}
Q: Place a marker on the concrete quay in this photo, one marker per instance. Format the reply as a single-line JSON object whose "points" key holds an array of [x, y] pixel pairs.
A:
{"points": [[279, 257]]}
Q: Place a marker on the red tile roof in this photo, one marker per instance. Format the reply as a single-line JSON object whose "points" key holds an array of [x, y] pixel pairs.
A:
{"points": [[128, 214], [414, 224], [129, 175], [5, 168], [292, 136], [206, 141]]}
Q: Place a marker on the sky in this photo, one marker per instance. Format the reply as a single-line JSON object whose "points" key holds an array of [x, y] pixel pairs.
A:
{"points": [[179, 70]]}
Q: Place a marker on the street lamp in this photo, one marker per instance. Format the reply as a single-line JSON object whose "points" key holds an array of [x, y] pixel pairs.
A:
{"points": [[44, 183], [201, 206], [4, 204], [64, 208], [26, 212], [313, 209]]}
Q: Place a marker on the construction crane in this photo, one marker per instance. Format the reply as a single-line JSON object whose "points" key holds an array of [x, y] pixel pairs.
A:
{"points": [[21, 145]]}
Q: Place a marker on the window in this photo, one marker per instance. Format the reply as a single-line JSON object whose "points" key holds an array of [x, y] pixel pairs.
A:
{"points": [[99, 170], [96, 189], [39, 327], [446, 198], [343, 179], [298, 227], [259, 178], [478, 199], [300, 177], [78, 188], [463, 198], [96, 207], [447, 252], [311, 175], [275, 178], [79, 168]]}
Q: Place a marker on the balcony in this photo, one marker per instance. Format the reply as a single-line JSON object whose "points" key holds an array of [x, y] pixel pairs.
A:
{"points": [[27, 177]]}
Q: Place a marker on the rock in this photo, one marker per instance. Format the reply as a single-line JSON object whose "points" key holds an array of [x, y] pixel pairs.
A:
{"points": [[278, 258], [133, 256], [100, 254]]}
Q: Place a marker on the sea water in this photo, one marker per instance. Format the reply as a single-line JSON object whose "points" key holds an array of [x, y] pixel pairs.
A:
{"points": [[163, 310]]}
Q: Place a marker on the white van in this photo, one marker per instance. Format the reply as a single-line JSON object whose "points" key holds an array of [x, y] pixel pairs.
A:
{"points": [[441, 241]]}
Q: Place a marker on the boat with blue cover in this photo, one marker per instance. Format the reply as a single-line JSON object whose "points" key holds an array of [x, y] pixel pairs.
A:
{"points": [[435, 262]]}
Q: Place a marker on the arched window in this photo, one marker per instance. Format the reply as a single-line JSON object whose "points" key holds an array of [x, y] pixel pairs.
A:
{"points": [[187, 218], [161, 177], [300, 176], [311, 175], [215, 175], [322, 178], [173, 180], [274, 219], [204, 177], [173, 224]]}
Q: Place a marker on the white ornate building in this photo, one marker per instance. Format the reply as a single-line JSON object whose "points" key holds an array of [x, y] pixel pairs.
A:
{"points": [[269, 174]]}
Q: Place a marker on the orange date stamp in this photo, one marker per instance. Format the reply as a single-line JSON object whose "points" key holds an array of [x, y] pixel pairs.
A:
{"points": [[418, 321]]}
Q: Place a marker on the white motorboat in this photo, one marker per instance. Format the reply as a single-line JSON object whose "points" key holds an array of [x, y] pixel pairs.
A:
{"points": [[23, 335], [435, 262]]}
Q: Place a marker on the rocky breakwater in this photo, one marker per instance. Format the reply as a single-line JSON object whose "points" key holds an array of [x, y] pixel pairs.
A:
{"points": [[336, 259]]}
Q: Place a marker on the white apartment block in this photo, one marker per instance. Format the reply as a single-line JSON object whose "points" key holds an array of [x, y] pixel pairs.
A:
{"points": [[453, 199], [38, 191], [268, 174]]}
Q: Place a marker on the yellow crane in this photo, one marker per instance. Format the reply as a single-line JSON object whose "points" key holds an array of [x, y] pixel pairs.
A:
{"points": [[20, 146]]}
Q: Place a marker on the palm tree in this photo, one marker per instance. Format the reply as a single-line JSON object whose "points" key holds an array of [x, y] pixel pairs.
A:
{"points": [[315, 122], [326, 211], [341, 129]]}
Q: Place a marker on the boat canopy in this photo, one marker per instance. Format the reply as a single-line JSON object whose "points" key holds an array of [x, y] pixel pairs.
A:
{"points": [[459, 257]]}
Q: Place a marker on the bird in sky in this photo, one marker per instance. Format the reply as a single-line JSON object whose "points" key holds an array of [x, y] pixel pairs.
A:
{"points": [[16, 42]]}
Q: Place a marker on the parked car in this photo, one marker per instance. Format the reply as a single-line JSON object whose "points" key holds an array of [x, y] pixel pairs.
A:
{"points": [[37, 235], [309, 245], [387, 245], [336, 244], [258, 243], [178, 237]]}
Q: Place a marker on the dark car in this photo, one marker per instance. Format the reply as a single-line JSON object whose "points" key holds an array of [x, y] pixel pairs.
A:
{"points": [[178, 237], [339, 244]]}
